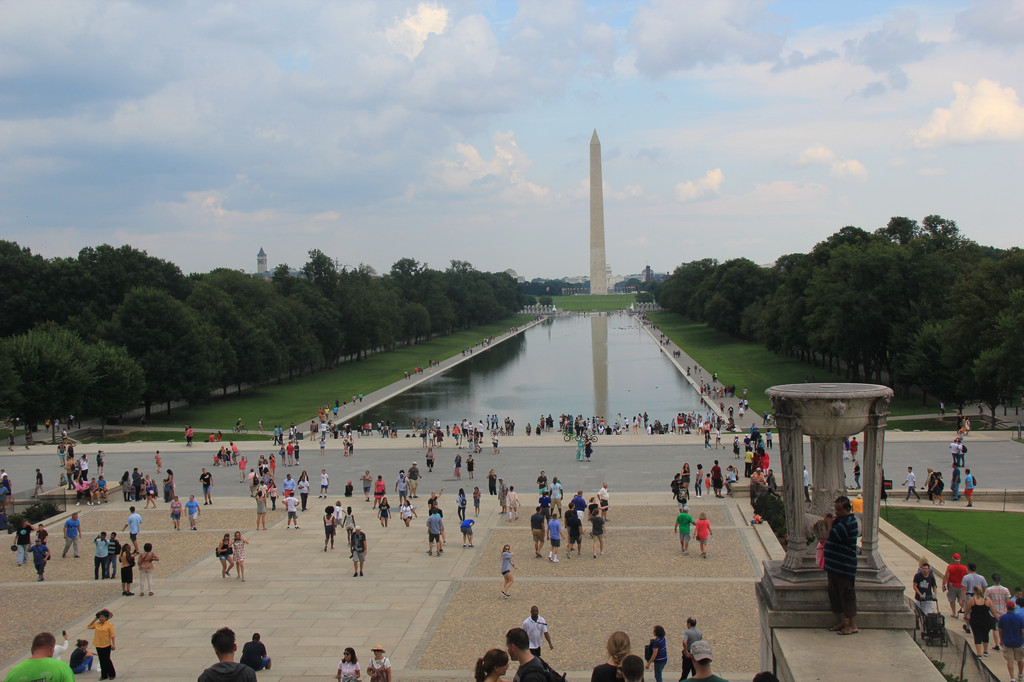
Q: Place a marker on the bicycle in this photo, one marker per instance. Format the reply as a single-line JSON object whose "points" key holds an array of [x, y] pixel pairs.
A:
{"points": [[240, 428], [569, 437]]}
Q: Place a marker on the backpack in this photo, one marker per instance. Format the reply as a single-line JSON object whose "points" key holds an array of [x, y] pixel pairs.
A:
{"points": [[548, 674]]}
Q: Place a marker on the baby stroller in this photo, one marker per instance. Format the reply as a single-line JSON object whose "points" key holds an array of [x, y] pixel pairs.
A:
{"points": [[933, 630]]}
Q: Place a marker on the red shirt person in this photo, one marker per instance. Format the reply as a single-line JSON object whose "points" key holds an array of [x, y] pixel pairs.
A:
{"points": [[953, 584]]}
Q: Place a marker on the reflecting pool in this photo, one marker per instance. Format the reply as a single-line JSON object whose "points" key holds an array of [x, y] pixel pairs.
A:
{"points": [[596, 365]]}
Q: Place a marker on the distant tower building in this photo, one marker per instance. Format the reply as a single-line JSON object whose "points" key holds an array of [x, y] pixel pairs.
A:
{"points": [[648, 274], [261, 262], [598, 264]]}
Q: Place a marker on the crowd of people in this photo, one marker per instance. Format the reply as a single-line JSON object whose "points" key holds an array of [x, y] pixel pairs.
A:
{"points": [[962, 482], [991, 614], [524, 646]]}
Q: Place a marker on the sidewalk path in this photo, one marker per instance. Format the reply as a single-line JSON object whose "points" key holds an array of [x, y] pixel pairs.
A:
{"points": [[434, 615]]}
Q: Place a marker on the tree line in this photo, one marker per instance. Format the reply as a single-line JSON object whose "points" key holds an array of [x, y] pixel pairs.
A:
{"points": [[114, 328], [912, 304]]}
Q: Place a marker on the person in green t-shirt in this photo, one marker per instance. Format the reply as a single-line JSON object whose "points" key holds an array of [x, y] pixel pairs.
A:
{"points": [[683, 523], [42, 665]]}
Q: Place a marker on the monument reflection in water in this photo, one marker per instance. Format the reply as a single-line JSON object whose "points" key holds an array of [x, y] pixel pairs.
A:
{"points": [[590, 365]]}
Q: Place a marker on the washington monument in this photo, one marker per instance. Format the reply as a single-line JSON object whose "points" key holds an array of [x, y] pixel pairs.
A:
{"points": [[598, 277]]}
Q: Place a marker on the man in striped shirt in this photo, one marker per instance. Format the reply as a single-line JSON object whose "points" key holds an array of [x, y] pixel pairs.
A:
{"points": [[841, 565]]}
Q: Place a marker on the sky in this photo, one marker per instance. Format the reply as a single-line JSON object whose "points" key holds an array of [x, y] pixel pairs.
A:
{"points": [[460, 129]]}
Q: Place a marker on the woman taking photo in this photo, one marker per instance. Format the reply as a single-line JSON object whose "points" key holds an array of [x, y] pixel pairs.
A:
{"points": [[261, 508], [224, 553]]}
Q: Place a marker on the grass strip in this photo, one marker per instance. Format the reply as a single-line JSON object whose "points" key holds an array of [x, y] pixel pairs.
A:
{"points": [[750, 365], [297, 400], [116, 436], [980, 537], [922, 424], [594, 302]]}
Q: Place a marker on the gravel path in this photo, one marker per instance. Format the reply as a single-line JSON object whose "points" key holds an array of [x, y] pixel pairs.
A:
{"points": [[628, 553], [582, 614], [45, 607]]}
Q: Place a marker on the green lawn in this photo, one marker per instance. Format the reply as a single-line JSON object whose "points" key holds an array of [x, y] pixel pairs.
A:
{"points": [[936, 424], [297, 400], [980, 537], [611, 302], [116, 436], [750, 365]]}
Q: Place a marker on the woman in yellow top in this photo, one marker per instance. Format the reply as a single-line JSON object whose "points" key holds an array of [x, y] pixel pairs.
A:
{"points": [[103, 640]]}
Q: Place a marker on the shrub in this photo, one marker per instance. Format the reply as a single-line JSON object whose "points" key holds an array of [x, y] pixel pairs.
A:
{"points": [[772, 509], [39, 511]]}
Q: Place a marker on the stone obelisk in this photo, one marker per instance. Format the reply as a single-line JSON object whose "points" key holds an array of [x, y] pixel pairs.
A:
{"points": [[598, 277]]}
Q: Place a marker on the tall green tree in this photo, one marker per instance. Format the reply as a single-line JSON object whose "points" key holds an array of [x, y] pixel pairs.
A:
{"points": [[23, 288], [9, 384], [55, 372], [118, 382], [177, 349]]}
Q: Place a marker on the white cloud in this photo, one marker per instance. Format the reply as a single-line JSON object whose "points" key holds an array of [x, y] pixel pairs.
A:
{"points": [[787, 192], [626, 193], [849, 168], [504, 173], [409, 34], [987, 112], [673, 35], [886, 50], [695, 189], [816, 154], [820, 155], [798, 60], [993, 21], [895, 43]]}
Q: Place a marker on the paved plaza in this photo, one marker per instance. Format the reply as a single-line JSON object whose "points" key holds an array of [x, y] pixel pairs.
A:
{"points": [[434, 615]]}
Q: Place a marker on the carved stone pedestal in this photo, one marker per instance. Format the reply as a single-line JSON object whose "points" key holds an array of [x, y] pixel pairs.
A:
{"points": [[793, 592]]}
